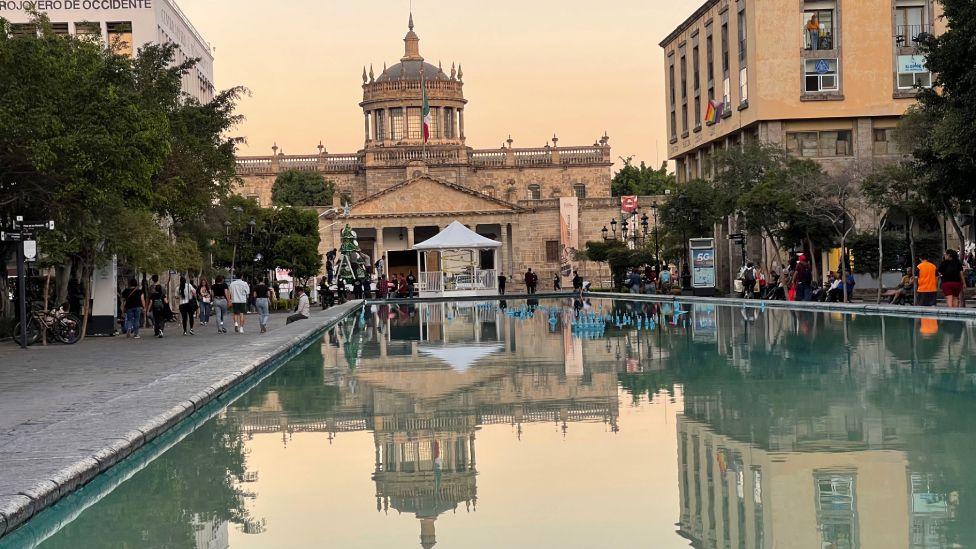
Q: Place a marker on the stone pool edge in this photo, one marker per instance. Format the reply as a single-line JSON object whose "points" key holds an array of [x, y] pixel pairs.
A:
{"points": [[864, 308], [42, 495]]}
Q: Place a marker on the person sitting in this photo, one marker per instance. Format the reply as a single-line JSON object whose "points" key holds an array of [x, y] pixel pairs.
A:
{"points": [[899, 294], [302, 311]]}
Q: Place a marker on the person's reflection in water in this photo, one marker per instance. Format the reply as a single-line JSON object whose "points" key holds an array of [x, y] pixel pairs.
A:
{"points": [[928, 327], [503, 304]]}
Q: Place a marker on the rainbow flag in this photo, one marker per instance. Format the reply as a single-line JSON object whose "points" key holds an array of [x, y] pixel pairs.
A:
{"points": [[714, 111]]}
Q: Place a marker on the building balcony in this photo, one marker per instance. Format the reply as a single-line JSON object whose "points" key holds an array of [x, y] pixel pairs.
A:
{"points": [[909, 36]]}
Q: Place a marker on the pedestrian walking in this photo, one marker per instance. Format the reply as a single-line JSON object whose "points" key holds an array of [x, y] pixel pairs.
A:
{"points": [[951, 272], [577, 283], [926, 274], [239, 290], [188, 305], [634, 281], [221, 300], [502, 279], [530, 281], [411, 283], [302, 311], [160, 306], [206, 301], [262, 303], [134, 304], [556, 283]]}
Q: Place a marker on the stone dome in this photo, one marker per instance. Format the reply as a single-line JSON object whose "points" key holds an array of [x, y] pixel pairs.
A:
{"points": [[410, 70]]}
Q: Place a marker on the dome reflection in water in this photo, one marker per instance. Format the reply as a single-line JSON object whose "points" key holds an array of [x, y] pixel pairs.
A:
{"points": [[571, 424]]}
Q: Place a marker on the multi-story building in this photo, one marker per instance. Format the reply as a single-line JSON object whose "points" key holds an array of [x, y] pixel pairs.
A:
{"points": [[125, 25], [539, 202], [825, 79]]}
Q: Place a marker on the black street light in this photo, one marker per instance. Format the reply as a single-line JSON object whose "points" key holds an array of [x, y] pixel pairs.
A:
{"points": [[657, 244]]}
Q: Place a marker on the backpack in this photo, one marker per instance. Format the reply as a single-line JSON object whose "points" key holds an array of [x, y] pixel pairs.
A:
{"points": [[749, 275]]}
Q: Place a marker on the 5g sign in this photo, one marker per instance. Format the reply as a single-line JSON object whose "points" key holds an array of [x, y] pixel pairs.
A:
{"points": [[703, 263]]}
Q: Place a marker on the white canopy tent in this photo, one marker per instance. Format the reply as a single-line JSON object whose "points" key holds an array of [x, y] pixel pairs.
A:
{"points": [[458, 257]]}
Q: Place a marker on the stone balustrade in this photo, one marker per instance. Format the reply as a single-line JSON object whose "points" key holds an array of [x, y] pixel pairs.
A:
{"points": [[394, 89], [433, 155], [402, 156]]}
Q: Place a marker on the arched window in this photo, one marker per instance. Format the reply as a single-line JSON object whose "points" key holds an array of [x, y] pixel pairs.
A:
{"points": [[488, 190], [579, 190], [535, 192]]}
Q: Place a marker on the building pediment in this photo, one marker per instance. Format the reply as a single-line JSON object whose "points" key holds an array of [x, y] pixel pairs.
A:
{"points": [[425, 195]]}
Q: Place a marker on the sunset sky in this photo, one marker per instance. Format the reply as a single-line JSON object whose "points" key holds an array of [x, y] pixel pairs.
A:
{"points": [[570, 67]]}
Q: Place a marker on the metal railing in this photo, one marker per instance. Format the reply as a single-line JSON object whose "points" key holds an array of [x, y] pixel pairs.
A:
{"points": [[479, 279], [908, 36]]}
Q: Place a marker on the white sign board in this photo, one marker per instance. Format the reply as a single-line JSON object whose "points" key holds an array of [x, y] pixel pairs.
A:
{"points": [[911, 64], [30, 250]]}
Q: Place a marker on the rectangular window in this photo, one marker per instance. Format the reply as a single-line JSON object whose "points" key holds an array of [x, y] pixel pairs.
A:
{"points": [[396, 123], [684, 118], [695, 69], [743, 85], [725, 49], [709, 59], [823, 144], [92, 31], [22, 29], [674, 125], [671, 81], [414, 130], [910, 23], [435, 123], [684, 78], [552, 251], [820, 75], [579, 191], [60, 29], [380, 124], [913, 73], [449, 123], [818, 29], [884, 142], [698, 111], [120, 37], [741, 23], [727, 93]]}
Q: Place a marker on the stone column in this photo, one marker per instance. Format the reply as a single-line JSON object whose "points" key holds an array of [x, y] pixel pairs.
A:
{"points": [[386, 125], [503, 256], [379, 247], [410, 238], [461, 124], [366, 125]]}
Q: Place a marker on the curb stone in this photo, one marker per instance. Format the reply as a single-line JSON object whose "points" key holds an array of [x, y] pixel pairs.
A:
{"points": [[17, 509]]}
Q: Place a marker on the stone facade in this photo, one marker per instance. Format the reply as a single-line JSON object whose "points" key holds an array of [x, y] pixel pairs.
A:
{"points": [[403, 188]]}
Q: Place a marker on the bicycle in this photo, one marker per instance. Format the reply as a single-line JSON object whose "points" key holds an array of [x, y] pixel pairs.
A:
{"points": [[64, 327]]}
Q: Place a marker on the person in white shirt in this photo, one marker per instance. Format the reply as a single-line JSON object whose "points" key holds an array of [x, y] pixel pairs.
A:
{"points": [[302, 311], [239, 292]]}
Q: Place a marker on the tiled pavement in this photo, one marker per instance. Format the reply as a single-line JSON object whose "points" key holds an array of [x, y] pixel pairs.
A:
{"points": [[69, 412]]}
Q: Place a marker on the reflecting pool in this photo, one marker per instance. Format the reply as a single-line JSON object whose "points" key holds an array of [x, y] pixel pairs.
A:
{"points": [[575, 425]]}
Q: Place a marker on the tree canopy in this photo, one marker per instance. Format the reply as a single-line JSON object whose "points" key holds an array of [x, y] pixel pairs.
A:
{"points": [[300, 188], [641, 180]]}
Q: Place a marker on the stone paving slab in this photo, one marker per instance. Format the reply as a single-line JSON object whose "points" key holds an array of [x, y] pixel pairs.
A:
{"points": [[68, 413]]}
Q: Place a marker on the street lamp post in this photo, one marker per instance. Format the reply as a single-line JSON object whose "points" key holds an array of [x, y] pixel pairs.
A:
{"points": [[657, 244]]}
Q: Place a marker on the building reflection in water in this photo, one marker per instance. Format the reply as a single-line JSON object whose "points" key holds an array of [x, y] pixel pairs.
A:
{"points": [[828, 431], [799, 429], [425, 378]]}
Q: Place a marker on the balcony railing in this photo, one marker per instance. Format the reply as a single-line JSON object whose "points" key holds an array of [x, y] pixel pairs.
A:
{"points": [[908, 36]]}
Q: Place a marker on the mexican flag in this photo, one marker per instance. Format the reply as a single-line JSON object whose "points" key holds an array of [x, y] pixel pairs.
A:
{"points": [[425, 109]]}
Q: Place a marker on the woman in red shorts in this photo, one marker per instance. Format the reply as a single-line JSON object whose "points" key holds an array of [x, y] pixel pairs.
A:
{"points": [[951, 272]]}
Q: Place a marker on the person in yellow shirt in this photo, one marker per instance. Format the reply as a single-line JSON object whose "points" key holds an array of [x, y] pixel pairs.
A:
{"points": [[927, 283]]}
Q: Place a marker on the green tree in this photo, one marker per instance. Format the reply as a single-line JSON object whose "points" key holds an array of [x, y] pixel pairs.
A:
{"points": [[938, 130], [299, 188], [641, 180]]}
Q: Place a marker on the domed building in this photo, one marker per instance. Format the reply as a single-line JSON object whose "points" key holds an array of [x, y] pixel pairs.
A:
{"points": [[540, 202]]}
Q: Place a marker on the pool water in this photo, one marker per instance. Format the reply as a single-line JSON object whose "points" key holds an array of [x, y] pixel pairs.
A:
{"points": [[577, 425]]}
